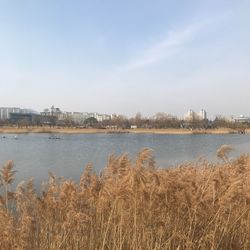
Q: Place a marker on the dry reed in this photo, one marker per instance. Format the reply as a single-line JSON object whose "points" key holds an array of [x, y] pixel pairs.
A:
{"points": [[132, 206]]}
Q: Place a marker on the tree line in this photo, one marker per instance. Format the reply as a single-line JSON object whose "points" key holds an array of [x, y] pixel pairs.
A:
{"points": [[160, 120]]}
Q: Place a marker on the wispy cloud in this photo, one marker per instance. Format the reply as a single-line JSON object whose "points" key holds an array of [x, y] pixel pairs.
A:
{"points": [[163, 48]]}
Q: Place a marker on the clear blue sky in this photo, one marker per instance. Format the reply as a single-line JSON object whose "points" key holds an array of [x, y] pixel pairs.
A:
{"points": [[126, 56]]}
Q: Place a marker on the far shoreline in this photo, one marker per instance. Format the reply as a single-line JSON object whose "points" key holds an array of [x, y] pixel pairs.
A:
{"points": [[169, 131]]}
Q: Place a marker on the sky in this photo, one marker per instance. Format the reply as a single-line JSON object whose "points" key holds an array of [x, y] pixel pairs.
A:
{"points": [[124, 57]]}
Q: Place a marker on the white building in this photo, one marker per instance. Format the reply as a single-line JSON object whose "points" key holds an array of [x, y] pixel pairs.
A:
{"points": [[242, 119], [203, 114], [53, 111], [77, 117], [106, 117], [192, 115], [6, 111]]}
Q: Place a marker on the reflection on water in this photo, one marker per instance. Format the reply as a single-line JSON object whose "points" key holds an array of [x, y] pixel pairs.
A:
{"points": [[66, 155]]}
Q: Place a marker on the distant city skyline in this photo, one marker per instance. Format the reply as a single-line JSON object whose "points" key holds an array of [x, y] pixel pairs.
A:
{"points": [[186, 115], [126, 57]]}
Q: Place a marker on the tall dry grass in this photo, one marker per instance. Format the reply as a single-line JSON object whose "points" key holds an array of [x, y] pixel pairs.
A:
{"points": [[131, 205]]}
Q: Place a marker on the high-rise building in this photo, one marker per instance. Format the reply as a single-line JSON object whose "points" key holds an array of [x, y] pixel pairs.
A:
{"points": [[6, 111], [191, 115], [203, 114]]}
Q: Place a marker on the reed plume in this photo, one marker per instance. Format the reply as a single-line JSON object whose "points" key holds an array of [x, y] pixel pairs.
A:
{"points": [[132, 205]]}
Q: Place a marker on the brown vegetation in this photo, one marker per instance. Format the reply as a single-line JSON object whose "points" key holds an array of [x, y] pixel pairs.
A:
{"points": [[132, 206], [175, 131]]}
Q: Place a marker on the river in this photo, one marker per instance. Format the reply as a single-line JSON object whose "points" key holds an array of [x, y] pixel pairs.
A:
{"points": [[34, 155]]}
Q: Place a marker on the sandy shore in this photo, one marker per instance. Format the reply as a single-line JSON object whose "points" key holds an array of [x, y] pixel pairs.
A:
{"points": [[14, 130], [184, 131]]}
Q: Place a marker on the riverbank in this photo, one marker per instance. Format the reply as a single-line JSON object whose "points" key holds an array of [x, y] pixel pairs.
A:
{"points": [[15, 130]]}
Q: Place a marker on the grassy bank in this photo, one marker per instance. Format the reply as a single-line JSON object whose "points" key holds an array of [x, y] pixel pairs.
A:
{"points": [[132, 206], [15, 130]]}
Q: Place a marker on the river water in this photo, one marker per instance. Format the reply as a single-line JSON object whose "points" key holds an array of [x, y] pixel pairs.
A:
{"points": [[34, 155]]}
